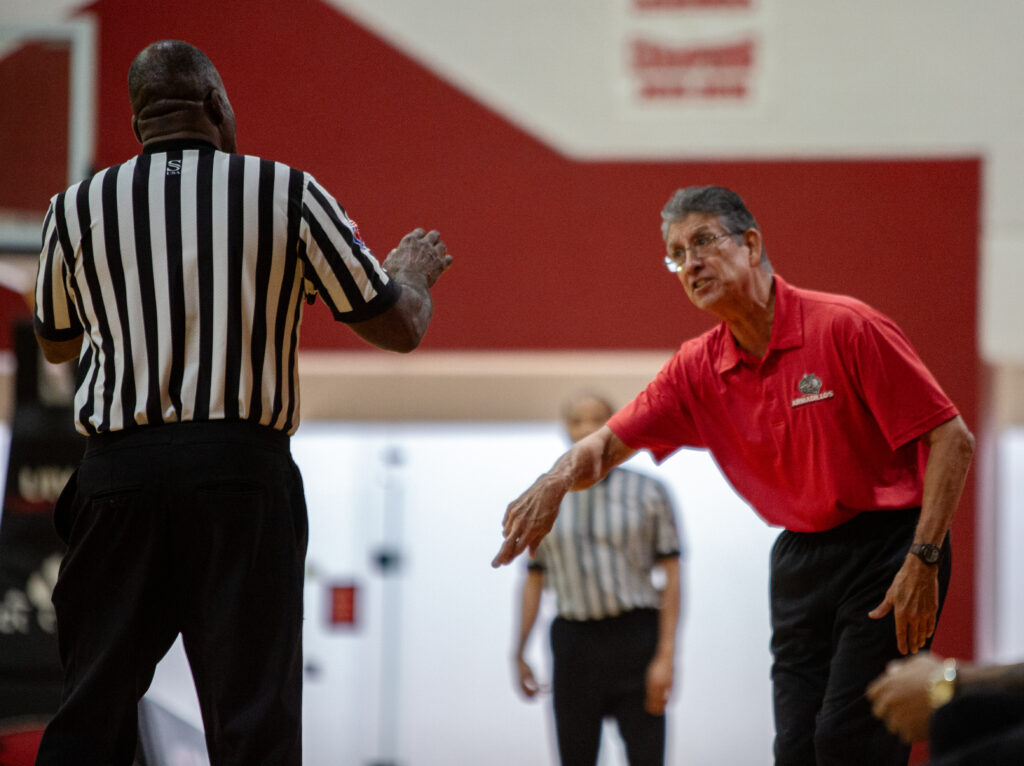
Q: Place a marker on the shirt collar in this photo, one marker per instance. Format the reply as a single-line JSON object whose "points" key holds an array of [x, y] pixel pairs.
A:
{"points": [[177, 145], [787, 328]]}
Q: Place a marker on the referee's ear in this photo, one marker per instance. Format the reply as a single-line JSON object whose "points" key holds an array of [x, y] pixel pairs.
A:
{"points": [[213, 107], [135, 128], [221, 116]]}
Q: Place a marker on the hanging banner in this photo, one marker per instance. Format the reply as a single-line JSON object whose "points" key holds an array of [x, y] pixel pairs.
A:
{"points": [[693, 53]]}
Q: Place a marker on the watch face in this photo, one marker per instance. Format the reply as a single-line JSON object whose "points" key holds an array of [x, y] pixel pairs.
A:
{"points": [[940, 692], [928, 552]]}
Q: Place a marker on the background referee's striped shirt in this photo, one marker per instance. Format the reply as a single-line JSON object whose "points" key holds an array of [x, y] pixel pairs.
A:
{"points": [[606, 539], [186, 269]]}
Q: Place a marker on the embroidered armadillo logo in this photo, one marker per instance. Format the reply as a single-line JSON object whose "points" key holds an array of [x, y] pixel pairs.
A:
{"points": [[810, 388], [809, 384]]}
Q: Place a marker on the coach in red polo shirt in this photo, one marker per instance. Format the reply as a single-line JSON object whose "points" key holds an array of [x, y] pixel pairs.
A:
{"points": [[822, 416]]}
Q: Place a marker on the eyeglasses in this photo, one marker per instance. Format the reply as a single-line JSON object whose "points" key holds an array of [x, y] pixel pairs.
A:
{"points": [[701, 246]]}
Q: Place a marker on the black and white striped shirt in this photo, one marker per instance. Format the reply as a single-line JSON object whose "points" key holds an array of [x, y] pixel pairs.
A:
{"points": [[606, 540], [186, 269]]}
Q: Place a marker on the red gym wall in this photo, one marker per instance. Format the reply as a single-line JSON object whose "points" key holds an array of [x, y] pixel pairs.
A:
{"points": [[553, 253]]}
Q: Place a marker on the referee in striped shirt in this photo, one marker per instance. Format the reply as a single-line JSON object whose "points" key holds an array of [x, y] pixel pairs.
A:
{"points": [[177, 280], [613, 641]]}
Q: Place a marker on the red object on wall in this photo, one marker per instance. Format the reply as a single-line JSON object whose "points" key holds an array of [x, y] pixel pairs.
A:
{"points": [[554, 253], [342, 605]]}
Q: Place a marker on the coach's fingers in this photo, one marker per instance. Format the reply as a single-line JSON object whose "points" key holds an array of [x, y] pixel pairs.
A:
{"points": [[511, 548], [904, 636], [882, 609]]}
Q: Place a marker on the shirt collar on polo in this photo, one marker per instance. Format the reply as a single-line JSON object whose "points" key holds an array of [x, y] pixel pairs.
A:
{"points": [[787, 330], [176, 145]]}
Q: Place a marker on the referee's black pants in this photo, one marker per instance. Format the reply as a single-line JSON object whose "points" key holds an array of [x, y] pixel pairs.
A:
{"points": [[197, 528], [600, 669], [826, 649]]}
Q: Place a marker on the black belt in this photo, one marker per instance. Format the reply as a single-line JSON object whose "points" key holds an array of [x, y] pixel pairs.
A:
{"points": [[189, 432]]}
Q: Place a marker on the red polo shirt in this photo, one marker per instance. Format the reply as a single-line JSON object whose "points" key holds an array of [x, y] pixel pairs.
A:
{"points": [[825, 426]]}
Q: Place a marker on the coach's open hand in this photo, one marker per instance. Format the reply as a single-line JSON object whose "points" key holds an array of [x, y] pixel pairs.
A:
{"points": [[530, 517]]}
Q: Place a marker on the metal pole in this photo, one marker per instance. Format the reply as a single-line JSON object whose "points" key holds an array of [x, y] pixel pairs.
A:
{"points": [[388, 561]]}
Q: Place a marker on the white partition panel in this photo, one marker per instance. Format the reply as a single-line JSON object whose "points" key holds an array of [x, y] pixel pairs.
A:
{"points": [[437, 493], [1005, 627], [423, 677]]}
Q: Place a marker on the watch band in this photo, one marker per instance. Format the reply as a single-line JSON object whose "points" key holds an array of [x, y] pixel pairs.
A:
{"points": [[929, 553]]}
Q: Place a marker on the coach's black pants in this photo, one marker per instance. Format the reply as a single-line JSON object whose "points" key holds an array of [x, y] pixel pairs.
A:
{"points": [[197, 528], [600, 671], [826, 649]]}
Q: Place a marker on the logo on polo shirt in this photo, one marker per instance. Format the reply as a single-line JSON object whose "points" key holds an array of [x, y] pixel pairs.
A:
{"points": [[810, 387]]}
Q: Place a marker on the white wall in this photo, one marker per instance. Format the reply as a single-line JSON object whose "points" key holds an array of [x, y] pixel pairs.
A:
{"points": [[455, 697]]}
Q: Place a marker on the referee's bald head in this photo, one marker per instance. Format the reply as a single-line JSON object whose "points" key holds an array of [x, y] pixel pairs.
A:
{"points": [[170, 72], [176, 92]]}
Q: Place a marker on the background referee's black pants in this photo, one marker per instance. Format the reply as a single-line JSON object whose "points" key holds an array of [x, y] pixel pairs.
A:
{"points": [[600, 669], [197, 528], [826, 648]]}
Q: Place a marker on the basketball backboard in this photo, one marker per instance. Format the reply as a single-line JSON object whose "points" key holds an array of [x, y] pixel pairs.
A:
{"points": [[47, 128]]}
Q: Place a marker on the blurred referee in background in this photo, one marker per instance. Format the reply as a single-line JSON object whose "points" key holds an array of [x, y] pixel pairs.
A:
{"points": [[177, 280], [615, 635]]}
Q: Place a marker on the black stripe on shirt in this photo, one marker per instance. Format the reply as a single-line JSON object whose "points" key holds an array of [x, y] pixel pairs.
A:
{"points": [[112, 245], [89, 268], [175, 281], [236, 261], [204, 257], [264, 256], [147, 287], [293, 247]]}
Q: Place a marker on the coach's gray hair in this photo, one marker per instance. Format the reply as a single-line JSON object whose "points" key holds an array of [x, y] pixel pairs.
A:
{"points": [[718, 201]]}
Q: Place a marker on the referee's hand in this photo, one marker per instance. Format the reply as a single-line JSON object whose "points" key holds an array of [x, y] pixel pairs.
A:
{"points": [[421, 253]]}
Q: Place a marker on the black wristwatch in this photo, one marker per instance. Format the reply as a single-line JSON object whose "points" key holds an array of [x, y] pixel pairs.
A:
{"points": [[929, 553]]}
